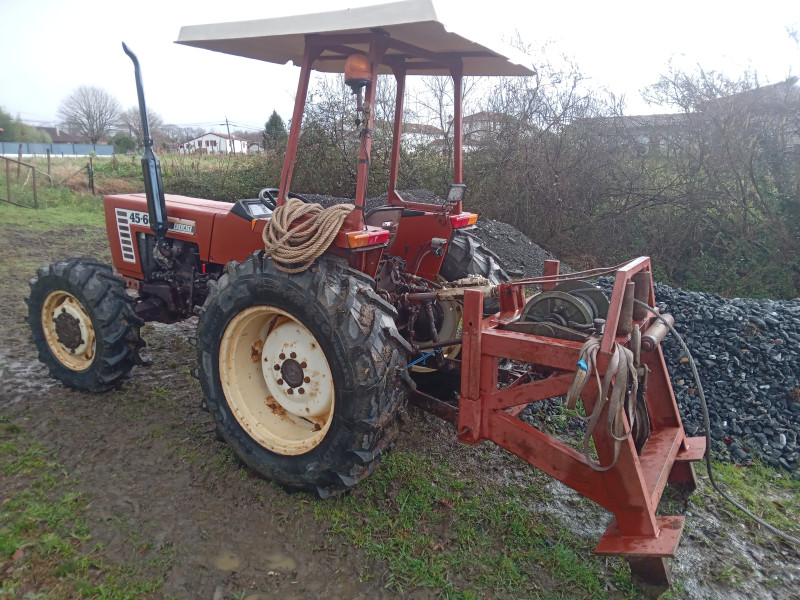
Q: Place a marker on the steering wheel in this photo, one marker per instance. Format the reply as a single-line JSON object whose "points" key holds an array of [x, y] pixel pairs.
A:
{"points": [[267, 197]]}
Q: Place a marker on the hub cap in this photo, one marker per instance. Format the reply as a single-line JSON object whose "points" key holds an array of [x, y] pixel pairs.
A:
{"points": [[276, 380], [68, 330]]}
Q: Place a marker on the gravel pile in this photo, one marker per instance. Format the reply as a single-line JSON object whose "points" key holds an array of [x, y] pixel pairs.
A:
{"points": [[747, 353]]}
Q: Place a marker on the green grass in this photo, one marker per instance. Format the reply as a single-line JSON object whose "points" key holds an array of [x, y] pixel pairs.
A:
{"points": [[771, 495], [80, 210], [464, 539], [45, 543]]}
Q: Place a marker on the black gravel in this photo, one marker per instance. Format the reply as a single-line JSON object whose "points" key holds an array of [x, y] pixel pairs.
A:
{"points": [[747, 353]]}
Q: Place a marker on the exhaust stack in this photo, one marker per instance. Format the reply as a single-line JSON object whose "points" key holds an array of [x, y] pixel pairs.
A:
{"points": [[151, 166]]}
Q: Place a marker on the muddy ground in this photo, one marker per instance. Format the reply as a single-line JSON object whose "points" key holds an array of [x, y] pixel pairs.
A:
{"points": [[161, 486]]}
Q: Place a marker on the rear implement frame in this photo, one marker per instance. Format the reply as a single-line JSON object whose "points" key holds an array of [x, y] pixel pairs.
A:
{"points": [[632, 488]]}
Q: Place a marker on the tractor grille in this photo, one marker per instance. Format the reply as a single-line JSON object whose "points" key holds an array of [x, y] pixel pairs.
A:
{"points": [[125, 239]]}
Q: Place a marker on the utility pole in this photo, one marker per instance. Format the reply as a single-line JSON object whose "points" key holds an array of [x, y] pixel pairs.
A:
{"points": [[230, 139]]}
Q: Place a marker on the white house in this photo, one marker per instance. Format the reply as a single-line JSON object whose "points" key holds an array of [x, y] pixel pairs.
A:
{"points": [[214, 143]]}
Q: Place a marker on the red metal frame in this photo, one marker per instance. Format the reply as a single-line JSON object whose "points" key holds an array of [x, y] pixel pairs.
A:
{"points": [[633, 487], [433, 223]]}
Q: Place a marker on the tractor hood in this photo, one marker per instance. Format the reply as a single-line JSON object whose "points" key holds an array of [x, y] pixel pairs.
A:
{"points": [[410, 23]]}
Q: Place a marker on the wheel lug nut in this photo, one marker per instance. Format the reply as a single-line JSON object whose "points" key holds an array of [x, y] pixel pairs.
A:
{"points": [[277, 367], [293, 355], [303, 365], [282, 356], [290, 391], [280, 381], [307, 379], [301, 391]]}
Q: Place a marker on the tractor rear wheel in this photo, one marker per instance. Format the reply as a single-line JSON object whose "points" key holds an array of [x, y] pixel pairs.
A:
{"points": [[302, 372], [83, 324], [467, 256]]}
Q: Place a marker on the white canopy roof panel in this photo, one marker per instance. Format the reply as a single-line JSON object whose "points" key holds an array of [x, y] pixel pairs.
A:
{"points": [[282, 40]]}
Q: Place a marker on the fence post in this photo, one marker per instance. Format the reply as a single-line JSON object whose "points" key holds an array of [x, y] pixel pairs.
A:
{"points": [[19, 161], [48, 164], [90, 171], [35, 198], [8, 180]]}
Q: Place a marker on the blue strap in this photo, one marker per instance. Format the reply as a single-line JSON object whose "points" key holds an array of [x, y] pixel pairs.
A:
{"points": [[421, 359]]}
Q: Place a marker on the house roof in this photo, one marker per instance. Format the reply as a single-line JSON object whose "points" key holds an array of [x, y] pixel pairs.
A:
{"points": [[484, 117], [422, 129], [57, 136], [220, 135], [282, 40], [776, 92]]}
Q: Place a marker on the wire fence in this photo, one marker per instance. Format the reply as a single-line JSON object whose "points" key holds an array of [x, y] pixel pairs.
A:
{"points": [[21, 182]]}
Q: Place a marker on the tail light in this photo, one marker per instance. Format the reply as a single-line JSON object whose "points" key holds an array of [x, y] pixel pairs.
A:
{"points": [[463, 220]]}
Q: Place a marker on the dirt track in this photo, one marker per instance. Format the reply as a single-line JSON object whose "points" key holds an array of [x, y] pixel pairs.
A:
{"points": [[166, 496]]}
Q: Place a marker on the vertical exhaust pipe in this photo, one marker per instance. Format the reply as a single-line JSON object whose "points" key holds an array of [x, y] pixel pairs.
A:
{"points": [[151, 166]]}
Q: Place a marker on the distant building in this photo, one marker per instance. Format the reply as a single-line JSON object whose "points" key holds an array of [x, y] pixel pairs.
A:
{"points": [[420, 134], [59, 136], [214, 143], [774, 108]]}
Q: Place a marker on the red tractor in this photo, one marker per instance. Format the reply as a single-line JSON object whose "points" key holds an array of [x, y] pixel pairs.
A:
{"points": [[308, 350]]}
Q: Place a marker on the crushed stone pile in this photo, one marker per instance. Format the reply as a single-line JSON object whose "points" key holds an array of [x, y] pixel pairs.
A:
{"points": [[747, 352]]}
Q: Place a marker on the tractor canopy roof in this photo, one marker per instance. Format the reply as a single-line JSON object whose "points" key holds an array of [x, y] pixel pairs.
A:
{"points": [[416, 38]]}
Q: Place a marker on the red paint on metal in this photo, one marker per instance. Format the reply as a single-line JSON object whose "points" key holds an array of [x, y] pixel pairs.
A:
{"points": [[309, 55], [632, 488], [413, 238], [458, 149], [551, 268], [204, 213], [397, 131], [665, 545]]}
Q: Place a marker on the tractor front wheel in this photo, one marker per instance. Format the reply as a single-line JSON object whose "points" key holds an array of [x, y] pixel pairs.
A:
{"points": [[302, 372], [83, 324]]}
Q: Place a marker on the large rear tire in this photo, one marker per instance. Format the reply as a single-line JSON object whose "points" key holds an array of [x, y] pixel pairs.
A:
{"points": [[83, 324], [302, 372], [466, 256]]}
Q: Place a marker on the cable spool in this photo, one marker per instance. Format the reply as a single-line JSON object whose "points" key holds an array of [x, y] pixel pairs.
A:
{"points": [[572, 304]]}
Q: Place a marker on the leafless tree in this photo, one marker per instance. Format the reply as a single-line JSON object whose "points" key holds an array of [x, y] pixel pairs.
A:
{"points": [[130, 121], [90, 111], [175, 133]]}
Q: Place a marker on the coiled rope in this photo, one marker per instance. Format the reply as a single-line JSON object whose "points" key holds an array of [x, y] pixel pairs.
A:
{"points": [[293, 249]]}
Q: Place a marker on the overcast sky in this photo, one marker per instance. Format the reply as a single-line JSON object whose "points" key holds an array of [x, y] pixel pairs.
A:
{"points": [[50, 47]]}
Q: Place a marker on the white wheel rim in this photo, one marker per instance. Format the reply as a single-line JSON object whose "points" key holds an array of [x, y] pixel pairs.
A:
{"points": [[68, 330], [276, 380]]}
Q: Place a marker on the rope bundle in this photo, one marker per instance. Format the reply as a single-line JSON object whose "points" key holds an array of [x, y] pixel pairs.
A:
{"points": [[622, 372], [294, 249]]}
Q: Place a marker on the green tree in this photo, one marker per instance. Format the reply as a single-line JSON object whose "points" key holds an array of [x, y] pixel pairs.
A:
{"points": [[274, 135], [123, 143], [14, 130]]}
